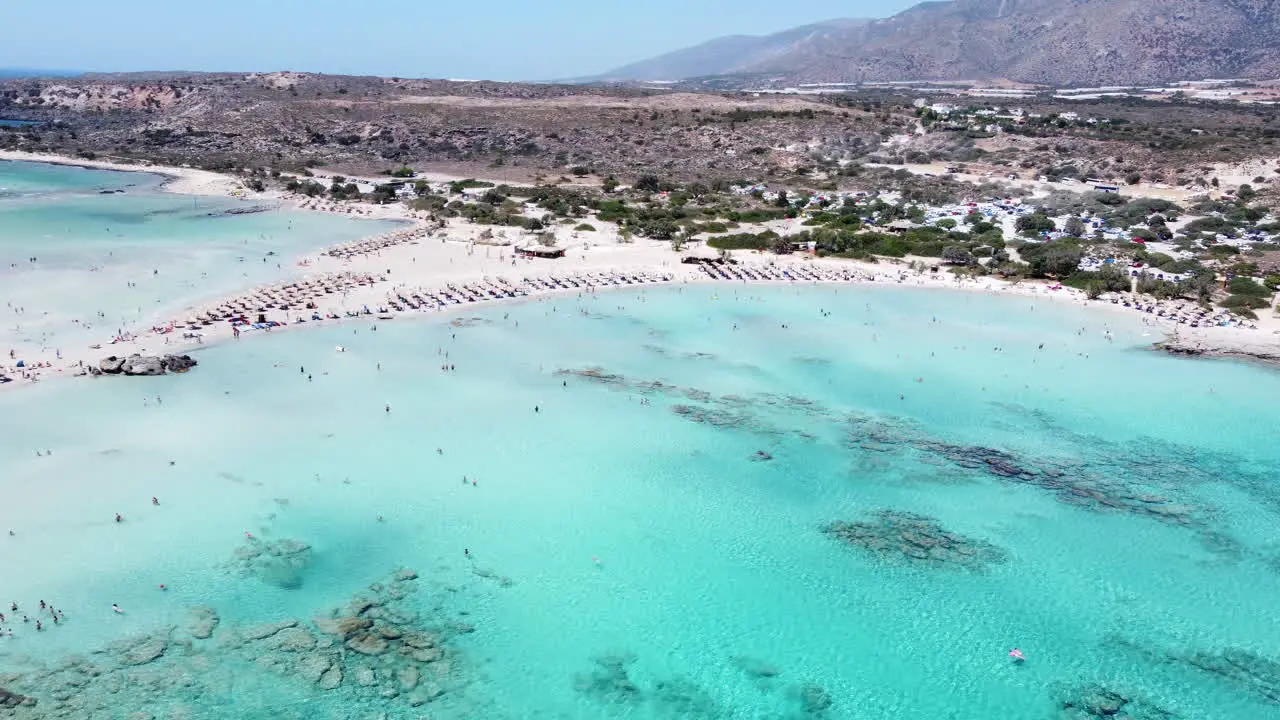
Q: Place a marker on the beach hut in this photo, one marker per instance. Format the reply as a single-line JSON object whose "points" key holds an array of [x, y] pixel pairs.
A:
{"points": [[547, 252], [702, 254]]}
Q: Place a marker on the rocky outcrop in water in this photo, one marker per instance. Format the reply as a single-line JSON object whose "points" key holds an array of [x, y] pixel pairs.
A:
{"points": [[112, 365], [904, 537], [144, 365], [178, 363]]}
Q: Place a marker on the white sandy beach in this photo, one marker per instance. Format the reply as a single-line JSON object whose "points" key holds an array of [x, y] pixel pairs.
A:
{"points": [[184, 181], [423, 260]]}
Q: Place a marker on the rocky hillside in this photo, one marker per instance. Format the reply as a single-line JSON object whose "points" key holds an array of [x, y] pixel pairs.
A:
{"points": [[1054, 42], [365, 125], [728, 55]]}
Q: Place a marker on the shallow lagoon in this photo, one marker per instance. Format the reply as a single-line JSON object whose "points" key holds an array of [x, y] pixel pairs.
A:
{"points": [[112, 243], [629, 552]]}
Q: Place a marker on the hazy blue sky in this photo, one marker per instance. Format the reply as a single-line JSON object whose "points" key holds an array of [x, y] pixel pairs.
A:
{"points": [[498, 39]]}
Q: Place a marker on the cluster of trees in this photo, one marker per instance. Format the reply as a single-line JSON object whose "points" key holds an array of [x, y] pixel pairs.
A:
{"points": [[458, 186], [1247, 295]]}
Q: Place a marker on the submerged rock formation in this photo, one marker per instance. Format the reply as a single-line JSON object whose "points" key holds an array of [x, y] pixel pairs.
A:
{"points": [[12, 700], [1099, 701], [142, 650], [276, 562], [814, 700], [1245, 669], [1073, 482], [607, 681], [374, 649], [915, 539], [610, 682], [200, 622], [730, 412], [143, 365]]}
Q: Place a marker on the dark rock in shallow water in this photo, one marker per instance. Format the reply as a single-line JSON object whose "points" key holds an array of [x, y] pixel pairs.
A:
{"points": [[814, 700], [1247, 670], [595, 375], [757, 668], [178, 363], [1099, 701], [901, 536], [281, 563], [143, 365], [112, 365], [12, 700], [144, 650], [331, 678], [681, 698], [262, 632], [367, 644], [200, 622], [608, 681], [163, 674], [1115, 480], [342, 626]]}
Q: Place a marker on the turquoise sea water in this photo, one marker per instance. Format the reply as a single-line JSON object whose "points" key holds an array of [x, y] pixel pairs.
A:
{"points": [[627, 556], [111, 243], [621, 506]]}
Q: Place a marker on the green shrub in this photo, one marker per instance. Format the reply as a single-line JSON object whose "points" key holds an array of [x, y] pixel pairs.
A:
{"points": [[458, 186], [744, 241], [1251, 302], [1247, 287]]}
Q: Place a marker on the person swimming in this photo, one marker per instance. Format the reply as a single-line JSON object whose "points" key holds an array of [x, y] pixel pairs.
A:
{"points": [[116, 609], [1017, 656]]}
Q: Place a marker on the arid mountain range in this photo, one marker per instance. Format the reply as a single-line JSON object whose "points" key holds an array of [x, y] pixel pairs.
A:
{"points": [[1051, 42]]}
